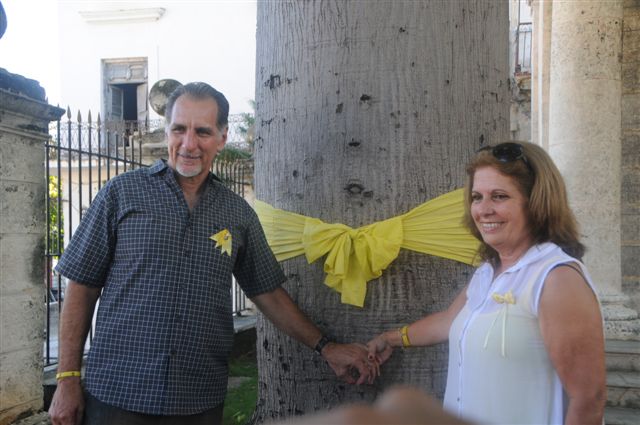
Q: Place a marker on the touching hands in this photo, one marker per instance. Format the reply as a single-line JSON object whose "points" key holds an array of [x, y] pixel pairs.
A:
{"points": [[350, 363], [380, 349]]}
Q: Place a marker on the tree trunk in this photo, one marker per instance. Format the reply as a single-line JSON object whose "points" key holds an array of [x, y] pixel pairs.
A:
{"points": [[364, 111]]}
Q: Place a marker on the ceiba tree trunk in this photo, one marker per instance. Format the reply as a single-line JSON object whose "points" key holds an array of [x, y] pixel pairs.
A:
{"points": [[364, 111]]}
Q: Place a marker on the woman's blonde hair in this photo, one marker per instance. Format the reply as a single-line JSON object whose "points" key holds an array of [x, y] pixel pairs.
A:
{"points": [[549, 216]]}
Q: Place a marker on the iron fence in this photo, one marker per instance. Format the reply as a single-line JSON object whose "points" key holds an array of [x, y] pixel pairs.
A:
{"points": [[81, 157], [523, 48]]}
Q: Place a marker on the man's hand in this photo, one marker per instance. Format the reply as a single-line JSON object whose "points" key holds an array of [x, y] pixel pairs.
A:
{"points": [[67, 406], [379, 349], [348, 360]]}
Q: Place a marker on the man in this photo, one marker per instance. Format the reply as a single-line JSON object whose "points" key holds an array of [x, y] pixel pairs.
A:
{"points": [[159, 246]]}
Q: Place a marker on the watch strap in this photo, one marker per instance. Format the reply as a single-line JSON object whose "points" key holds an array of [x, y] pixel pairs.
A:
{"points": [[321, 344]]}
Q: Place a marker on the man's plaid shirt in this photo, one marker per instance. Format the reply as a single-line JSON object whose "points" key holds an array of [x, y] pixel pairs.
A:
{"points": [[164, 328]]}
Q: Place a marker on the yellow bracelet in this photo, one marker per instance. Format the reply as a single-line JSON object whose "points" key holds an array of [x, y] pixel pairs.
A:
{"points": [[404, 333], [68, 374]]}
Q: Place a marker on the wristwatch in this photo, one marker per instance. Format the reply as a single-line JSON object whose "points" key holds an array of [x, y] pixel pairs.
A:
{"points": [[320, 345]]}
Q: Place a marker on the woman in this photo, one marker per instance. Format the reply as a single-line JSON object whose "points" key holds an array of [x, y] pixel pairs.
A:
{"points": [[526, 339]]}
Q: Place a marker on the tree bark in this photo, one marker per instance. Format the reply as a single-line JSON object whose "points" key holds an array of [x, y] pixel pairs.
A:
{"points": [[364, 111]]}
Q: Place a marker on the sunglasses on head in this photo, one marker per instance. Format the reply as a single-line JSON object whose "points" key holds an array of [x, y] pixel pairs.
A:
{"points": [[508, 152]]}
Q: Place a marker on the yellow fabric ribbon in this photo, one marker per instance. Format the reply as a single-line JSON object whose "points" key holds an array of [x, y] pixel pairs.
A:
{"points": [[223, 241], [355, 256], [505, 299]]}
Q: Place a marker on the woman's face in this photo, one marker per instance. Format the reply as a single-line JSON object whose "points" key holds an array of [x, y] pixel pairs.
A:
{"points": [[498, 210]]}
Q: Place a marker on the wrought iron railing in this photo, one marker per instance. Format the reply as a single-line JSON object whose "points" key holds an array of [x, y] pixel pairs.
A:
{"points": [[523, 48]]}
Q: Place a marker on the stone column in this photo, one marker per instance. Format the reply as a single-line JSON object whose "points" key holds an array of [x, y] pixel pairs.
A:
{"points": [[24, 120], [631, 152], [540, 61], [585, 138]]}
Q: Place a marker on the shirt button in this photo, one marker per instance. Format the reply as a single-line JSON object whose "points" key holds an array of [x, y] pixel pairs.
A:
{"points": [[173, 353], [178, 317]]}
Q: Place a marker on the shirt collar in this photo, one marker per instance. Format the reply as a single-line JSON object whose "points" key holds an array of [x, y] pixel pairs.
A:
{"points": [[534, 253], [157, 167]]}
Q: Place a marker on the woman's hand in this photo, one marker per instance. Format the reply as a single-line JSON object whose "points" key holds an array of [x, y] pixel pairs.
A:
{"points": [[351, 363], [379, 349]]}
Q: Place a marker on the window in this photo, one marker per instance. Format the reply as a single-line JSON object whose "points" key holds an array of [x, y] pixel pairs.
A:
{"points": [[523, 38]]}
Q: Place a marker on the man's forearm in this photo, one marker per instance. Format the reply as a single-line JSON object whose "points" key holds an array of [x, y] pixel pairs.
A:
{"points": [[286, 316], [75, 322], [344, 359]]}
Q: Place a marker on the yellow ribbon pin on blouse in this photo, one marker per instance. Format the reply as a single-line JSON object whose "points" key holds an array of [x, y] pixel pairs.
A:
{"points": [[505, 299], [223, 241], [356, 256]]}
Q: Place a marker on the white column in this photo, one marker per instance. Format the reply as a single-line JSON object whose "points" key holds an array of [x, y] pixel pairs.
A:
{"points": [[585, 133], [540, 62]]}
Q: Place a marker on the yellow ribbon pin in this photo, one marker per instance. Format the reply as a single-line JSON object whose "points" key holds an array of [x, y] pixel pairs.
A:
{"points": [[223, 241], [505, 299]]}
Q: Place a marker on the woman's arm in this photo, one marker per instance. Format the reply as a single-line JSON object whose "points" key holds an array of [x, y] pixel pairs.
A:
{"points": [[429, 330], [571, 326]]}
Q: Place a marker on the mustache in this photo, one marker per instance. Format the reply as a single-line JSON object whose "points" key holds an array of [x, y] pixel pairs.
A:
{"points": [[189, 155]]}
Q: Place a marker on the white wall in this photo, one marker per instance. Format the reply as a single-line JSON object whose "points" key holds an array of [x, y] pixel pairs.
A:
{"points": [[211, 41]]}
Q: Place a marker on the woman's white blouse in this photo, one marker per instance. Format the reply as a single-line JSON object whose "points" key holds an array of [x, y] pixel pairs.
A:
{"points": [[499, 370]]}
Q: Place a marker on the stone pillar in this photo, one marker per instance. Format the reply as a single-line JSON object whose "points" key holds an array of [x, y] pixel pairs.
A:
{"points": [[585, 138], [540, 62], [631, 152], [24, 120]]}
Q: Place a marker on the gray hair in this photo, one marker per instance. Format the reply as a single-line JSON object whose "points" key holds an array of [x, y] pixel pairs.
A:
{"points": [[199, 90]]}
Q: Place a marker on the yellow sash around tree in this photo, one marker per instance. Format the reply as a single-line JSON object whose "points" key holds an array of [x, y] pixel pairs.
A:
{"points": [[356, 256]]}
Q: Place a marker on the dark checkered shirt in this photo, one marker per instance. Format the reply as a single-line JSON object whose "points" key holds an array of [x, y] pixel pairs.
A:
{"points": [[164, 327]]}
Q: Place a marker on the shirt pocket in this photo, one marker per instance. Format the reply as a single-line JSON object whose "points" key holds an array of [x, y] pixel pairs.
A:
{"points": [[221, 246], [142, 232]]}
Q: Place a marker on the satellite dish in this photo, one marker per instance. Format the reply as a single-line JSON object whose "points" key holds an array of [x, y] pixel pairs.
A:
{"points": [[159, 94], [3, 20]]}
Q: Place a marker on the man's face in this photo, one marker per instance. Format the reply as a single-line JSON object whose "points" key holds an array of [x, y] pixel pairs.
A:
{"points": [[193, 138]]}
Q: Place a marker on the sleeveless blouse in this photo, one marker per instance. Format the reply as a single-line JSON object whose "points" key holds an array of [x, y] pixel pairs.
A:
{"points": [[499, 369]]}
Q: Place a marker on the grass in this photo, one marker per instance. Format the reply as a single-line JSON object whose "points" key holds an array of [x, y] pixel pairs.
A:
{"points": [[241, 401]]}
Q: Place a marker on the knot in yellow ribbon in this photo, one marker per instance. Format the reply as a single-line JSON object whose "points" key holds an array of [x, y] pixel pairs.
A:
{"points": [[358, 255], [354, 256], [223, 241], [505, 299]]}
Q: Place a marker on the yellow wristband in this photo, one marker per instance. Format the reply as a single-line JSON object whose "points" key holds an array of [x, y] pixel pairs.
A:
{"points": [[68, 374], [404, 333]]}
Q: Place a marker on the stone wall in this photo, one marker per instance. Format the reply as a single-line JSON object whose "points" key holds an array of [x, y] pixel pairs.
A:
{"points": [[24, 119], [631, 151]]}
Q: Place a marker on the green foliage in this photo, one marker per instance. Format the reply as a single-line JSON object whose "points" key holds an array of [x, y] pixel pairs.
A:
{"points": [[56, 218], [243, 366], [248, 123], [230, 154], [241, 401]]}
